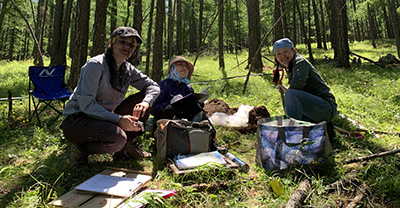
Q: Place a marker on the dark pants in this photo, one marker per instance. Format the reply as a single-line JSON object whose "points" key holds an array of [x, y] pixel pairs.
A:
{"points": [[96, 136]]}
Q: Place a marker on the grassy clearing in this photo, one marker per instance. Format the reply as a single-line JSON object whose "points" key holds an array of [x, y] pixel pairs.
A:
{"points": [[34, 168]]}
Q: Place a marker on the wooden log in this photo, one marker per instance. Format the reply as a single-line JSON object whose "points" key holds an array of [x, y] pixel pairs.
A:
{"points": [[369, 157], [374, 62], [360, 195], [298, 197]]}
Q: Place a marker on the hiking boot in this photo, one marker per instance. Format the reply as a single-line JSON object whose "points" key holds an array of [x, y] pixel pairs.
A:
{"points": [[77, 158], [131, 151], [331, 130]]}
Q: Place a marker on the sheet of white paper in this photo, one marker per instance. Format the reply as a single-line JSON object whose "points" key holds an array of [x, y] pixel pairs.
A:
{"points": [[112, 185]]}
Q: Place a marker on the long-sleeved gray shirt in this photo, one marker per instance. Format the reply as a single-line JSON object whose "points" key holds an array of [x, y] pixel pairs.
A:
{"points": [[95, 96]]}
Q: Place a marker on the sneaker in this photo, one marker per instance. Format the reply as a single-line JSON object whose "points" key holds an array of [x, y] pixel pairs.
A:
{"points": [[131, 151], [331, 130], [77, 158]]}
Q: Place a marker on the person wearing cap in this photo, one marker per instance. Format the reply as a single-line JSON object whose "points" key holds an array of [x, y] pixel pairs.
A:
{"points": [[99, 118], [175, 86], [308, 98]]}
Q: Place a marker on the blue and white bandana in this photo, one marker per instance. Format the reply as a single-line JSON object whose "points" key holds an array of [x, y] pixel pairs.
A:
{"points": [[174, 75]]}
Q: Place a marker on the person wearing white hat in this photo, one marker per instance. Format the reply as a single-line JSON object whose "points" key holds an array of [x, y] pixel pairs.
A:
{"points": [[175, 86]]}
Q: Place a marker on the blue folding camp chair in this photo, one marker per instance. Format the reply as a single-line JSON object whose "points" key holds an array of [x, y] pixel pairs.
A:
{"points": [[48, 87]]}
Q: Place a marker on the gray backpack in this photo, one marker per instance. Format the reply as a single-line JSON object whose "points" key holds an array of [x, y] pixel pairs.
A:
{"points": [[174, 137]]}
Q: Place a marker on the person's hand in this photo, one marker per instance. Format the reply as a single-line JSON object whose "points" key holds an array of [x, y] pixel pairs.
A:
{"points": [[129, 123], [281, 88], [139, 110]]}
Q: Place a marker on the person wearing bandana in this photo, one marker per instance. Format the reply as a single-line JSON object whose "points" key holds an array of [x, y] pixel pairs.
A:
{"points": [[99, 118], [174, 87]]}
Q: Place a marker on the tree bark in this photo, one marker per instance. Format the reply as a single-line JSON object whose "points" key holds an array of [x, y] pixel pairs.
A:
{"points": [[323, 25], [278, 34], [3, 11], [170, 36], [221, 35], [99, 33], [12, 42], [57, 31], [201, 8], [253, 10], [179, 49], [137, 24], [38, 32], [138, 16], [394, 17], [81, 41], [317, 25], [372, 25], [310, 53], [65, 31], [157, 70], [298, 197], [192, 29], [114, 14], [339, 37], [149, 38]]}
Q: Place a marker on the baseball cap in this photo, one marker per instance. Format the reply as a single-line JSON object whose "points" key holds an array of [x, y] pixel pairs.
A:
{"points": [[282, 43], [126, 32]]}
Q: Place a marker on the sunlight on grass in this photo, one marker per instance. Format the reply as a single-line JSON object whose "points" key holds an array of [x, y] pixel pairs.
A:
{"points": [[34, 167]]}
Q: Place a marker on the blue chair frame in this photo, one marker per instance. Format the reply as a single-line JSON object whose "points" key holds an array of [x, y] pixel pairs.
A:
{"points": [[47, 85]]}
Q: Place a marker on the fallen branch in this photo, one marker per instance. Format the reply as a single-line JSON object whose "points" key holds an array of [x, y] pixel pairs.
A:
{"points": [[360, 195], [297, 198], [374, 62], [230, 144], [377, 132], [369, 157], [227, 78]]}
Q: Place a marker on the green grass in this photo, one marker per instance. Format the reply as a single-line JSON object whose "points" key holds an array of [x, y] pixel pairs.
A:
{"points": [[34, 167]]}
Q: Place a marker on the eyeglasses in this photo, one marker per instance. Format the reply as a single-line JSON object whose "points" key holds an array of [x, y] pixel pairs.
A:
{"points": [[130, 45]]}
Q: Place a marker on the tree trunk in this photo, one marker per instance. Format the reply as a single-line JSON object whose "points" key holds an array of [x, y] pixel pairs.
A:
{"points": [[394, 17], [3, 11], [12, 42], [357, 26], [302, 26], [221, 35], [179, 49], [38, 31], [278, 34], [57, 31], [284, 19], [65, 31], [294, 38], [157, 70], [137, 24], [149, 38], [317, 28], [310, 53], [81, 41], [339, 38], [388, 25], [192, 29], [128, 15], [114, 14], [138, 16], [372, 25], [201, 8], [253, 10], [323, 25], [99, 33], [170, 30]]}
